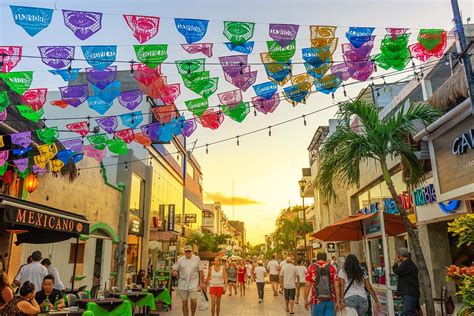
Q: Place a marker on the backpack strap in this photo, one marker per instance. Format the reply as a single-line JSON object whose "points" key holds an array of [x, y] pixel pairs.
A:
{"points": [[348, 287]]}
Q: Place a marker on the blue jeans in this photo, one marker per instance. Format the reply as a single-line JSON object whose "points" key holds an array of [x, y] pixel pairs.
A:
{"points": [[358, 303], [324, 308], [411, 305]]}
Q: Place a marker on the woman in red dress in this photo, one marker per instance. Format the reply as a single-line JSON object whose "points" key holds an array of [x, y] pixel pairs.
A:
{"points": [[241, 275]]}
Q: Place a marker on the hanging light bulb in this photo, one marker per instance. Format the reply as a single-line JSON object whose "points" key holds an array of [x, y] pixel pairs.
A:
{"points": [[304, 120], [270, 130], [238, 143], [150, 161], [126, 166], [78, 172], [344, 90], [132, 69], [207, 149], [332, 95], [254, 111], [375, 67]]}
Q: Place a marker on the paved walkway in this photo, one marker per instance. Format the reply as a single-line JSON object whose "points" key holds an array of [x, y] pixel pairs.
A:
{"points": [[247, 305]]}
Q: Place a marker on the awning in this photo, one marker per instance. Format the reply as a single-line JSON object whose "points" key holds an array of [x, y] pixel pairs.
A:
{"points": [[352, 228], [40, 224]]}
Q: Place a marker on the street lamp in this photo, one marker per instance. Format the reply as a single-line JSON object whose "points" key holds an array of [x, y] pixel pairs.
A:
{"points": [[302, 184]]}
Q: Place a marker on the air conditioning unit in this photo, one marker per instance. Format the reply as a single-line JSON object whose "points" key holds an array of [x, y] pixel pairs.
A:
{"points": [[424, 152]]}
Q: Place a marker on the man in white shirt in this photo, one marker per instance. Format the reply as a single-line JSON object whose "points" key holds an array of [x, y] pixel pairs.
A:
{"points": [[189, 270], [58, 284], [272, 268], [33, 272], [289, 277], [249, 268], [302, 273], [259, 275], [282, 264]]}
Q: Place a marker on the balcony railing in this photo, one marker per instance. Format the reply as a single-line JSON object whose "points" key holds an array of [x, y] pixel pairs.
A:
{"points": [[207, 222]]}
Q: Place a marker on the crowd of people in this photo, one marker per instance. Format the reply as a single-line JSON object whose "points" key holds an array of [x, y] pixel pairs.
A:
{"points": [[324, 288]]}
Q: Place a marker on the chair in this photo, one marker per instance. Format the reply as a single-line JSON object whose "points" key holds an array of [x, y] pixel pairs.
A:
{"points": [[443, 300], [82, 295], [71, 300], [94, 291], [82, 288]]}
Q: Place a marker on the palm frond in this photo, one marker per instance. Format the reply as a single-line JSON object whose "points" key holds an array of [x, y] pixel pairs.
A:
{"points": [[367, 113]]}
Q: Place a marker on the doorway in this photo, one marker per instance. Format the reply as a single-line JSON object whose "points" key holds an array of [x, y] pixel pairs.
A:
{"points": [[99, 245]]}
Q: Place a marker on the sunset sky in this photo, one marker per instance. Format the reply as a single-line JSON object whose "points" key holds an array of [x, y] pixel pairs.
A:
{"points": [[262, 172]]}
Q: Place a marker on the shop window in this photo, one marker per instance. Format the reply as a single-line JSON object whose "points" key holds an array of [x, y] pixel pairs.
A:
{"points": [[136, 196], [80, 253]]}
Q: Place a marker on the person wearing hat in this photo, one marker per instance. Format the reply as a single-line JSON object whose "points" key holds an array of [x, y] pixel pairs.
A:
{"points": [[189, 270], [288, 278], [259, 275]]}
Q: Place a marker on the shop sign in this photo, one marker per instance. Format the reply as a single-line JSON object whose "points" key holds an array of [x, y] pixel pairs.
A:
{"points": [[135, 226], [171, 217], [372, 208], [331, 247], [317, 245], [161, 217], [463, 143], [372, 226], [190, 218]]}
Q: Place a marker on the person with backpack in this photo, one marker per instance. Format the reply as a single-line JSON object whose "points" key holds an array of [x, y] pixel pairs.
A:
{"points": [[322, 281], [354, 282]]}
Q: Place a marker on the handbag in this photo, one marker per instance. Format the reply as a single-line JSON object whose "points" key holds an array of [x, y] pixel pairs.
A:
{"points": [[348, 311], [203, 302], [347, 288]]}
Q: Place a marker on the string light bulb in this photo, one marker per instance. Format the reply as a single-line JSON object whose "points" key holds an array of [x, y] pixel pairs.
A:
{"points": [[132, 69], [254, 111], [304, 120], [375, 67], [344, 90], [78, 172], [238, 143], [207, 148], [270, 130], [126, 166], [332, 95]]}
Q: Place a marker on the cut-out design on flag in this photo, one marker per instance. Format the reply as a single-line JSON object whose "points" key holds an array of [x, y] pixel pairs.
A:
{"points": [[191, 68], [143, 27], [205, 75], [318, 72], [277, 72], [205, 48], [3, 117], [341, 71], [4, 156], [22, 139], [165, 113], [132, 119], [394, 52], [297, 93], [303, 78], [279, 53], [328, 84], [75, 144], [11, 56], [21, 151], [154, 89], [48, 135], [316, 56], [244, 48], [230, 97], [98, 104], [152, 130], [82, 128], [211, 119], [396, 31], [28, 113], [66, 74], [204, 87], [35, 98], [109, 93], [142, 139], [83, 24], [169, 93], [100, 56], [101, 78], [358, 36], [21, 164], [151, 55], [108, 124], [4, 100], [130, 99], [145, 74], [56, 165], [32, 20], [265, 90], [266, 106], [126, 135], [38, 170], [237, 112], [243, 80], [48, 150], [197, 106], [74, 95], [41, 161], [362, 53], [188, 127], [18, 81], [323, 35], [193, 30], [234, 65], [238, 32], [173, 128], [283, 34], [431, 43], [98, 141], [94, 153], [117, 146], [57, 56]]}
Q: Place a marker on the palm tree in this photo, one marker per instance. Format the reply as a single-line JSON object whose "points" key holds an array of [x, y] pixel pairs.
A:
{"points": [[377, 139]]}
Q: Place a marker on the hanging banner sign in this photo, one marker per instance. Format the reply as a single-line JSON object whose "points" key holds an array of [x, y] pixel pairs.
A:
{"points": [[142, 139], [189, 126], [98, 141], [21, 164], [75, 145], [117, 146], [244, 80], [205, 87], [100, 57], [145, 74], [28, 113], [74, 95], [190, 68], [234, 65], [4, 100], [394, 52], [11, 56], [94, 153], [152, 130], [211, 119], [318, 72], [57, 56], [83, 24], [193, 30], [143, 27], [323, 35], [238, 32], [130, 99], [328, 84], [171, 217], [32, 20], [205, 48], [151, 55], [297, 93], [230, 97], [431, 43], [164, 113], [283, 34]]}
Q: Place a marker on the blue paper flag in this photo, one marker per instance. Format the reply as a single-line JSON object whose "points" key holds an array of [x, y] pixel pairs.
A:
{"points": [[109, 93], [328, 84], [170, 129], [100, 57], [132, 119], [265, 90], [99, 105], [21, 151], [280, 75], [296, 93], [66, 74], [77, 157], [245, 48], [358, 36], [32, 20], [193, 30], [316, 56], [317, 72], [64, 155]]}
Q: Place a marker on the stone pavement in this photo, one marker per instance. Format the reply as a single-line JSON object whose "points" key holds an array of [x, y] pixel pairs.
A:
{"points": [[247, 305]]}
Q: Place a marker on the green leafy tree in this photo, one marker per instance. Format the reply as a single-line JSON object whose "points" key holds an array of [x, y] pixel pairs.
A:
{"points": [[207, 241], [376, 139]]}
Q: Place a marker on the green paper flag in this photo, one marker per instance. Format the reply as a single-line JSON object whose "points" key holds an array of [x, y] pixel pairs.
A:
{"points": [[204, 87], [393, 53], [4, 100], [98, 141], [199, 76], [430, 38], [151, 55], [48, 135], [18, 81], [237, 112], [117, 146], [25, 173], [28, 113], [281, 54], [238, 32], [197, 106], [3, 169], [191, 67]]}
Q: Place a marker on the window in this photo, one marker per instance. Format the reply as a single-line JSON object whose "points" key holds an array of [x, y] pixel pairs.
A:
{"points": [[136, 196], [80, 253]]}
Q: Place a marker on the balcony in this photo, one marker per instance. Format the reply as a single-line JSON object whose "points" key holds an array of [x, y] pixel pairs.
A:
{"points": [[208, 222]]}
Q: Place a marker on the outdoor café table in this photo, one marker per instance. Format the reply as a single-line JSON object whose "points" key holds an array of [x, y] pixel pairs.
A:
{"points": [[107, 306], [163, 295], [141, 300], [65, 312]]}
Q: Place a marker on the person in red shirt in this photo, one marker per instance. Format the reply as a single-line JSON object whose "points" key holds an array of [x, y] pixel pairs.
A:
{"points": [[319, 305]]}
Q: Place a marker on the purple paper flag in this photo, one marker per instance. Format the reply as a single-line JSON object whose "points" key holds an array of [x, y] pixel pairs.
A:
{"points": [[189, 126], [73, 144], [4, 156], [3, 116], [233, 65], [39, 170], [130, 99], [83, 24], [230, 98], [108, 124], [21, 139], [266, 106], [283, 34], [74, 95], [57, 56], [21, 164], [101, 78]]}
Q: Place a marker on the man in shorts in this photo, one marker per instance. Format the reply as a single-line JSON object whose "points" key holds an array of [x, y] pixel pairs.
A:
{"points": [[289, 277], [272, 268], [189, 270]]}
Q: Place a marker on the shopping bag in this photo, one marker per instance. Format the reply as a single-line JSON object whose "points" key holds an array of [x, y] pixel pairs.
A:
{"points": [[347, 311], [203, 304]]}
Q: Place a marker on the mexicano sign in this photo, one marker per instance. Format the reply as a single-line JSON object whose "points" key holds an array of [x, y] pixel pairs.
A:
{"points": [[463, 143], [45, 221]]}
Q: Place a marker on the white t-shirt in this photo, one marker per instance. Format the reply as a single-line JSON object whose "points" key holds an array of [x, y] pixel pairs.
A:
{"points": [[33, 272], [289, 274], [260, 274], [249, 269], [188, 272], [356, 287], [302, 273], [272, 267], [58, 284]]}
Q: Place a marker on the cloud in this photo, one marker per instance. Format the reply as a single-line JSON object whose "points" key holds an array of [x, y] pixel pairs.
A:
{"points": [[229, 200]]}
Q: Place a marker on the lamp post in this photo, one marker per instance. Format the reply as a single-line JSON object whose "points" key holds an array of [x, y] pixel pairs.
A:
{"points": [[302, 184]]}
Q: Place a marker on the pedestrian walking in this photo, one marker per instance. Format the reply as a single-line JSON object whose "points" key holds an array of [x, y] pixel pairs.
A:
{"points": [[272, 268], [288, 278], [281, 265], [259, 275], [322, 281], [58, 284], [33, 272], [217, 281], [353, 283], [408, 286], [189, 270], [249, 268], [232, 278], [302, 274], [241, 275]]}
